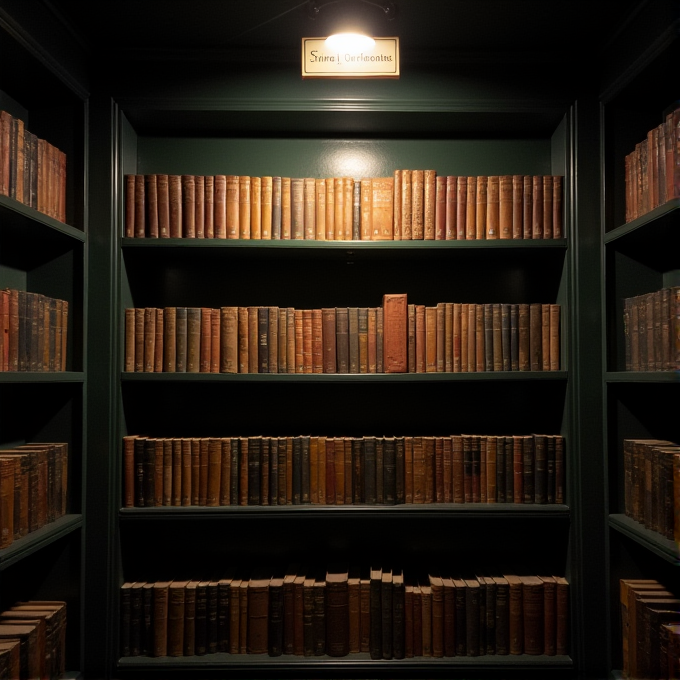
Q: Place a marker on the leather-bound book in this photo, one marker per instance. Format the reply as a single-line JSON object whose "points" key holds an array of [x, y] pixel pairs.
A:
{"points": [[515, 611], [481, 199], [524, 337], [540, 469], [527, 207], [193, 342], [411, 337], [208, 205], [419, 473], [342, 338], [7, 475], [339, 208], [501, 471], [472, 617], [395, 359], [430, 339], [429, 204], [140, 206], [188, 206], [307, 340], [130, 179], [400, 470], [357, 464], [502, 615], [398, 614], [243, 616], [340, 471], [199, 206], [151, 205], [535, 336], [471, 209], [305, 482], [195, 618], [557, 210], [329, 219], [509, 459], [330, 470], [320, 209], [365, 610], [375, 603], [365, 211], [382, 208], [562, 616], [505, 215], [408, 619], [549, 613], [205, 340], [321, 472], [275, 617], [537, 203], [517, 469], [461, 208], [547, 206], [258, 614], [308, 208], [266, 207], [372, 339], [276, 207], [337, 612], [417, 620], [319, 616], [448, 616], [429, 456], [457, 469], [289, 608], [234, 615], [354, 597], [233, 199], [533, 614], [353, 338], [219, 206], [426, 617], [370, 481], [440, 208], [176, 591], [308, 616], [348, 209], [386, 613], [396, 195], [437, 588], [420, 339], [493, 207], [158, 342], [362, 330], [286, 208], [451, 207], [417, 204], [517, 206], [406, 204]]}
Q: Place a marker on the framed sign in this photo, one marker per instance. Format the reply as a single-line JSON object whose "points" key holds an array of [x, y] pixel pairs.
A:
{"points": [[380, 61]]}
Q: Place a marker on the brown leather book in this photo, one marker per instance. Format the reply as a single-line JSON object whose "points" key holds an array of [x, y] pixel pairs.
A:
{"points": [[537, 204], [473, 604], [140, 207], [193, 344], [151, 205], [464, 336], [320, 209], [437, 588], [306, 186], [549, 614], [339, 208], [417, 204], [505, 212], [461, 208], [517, 206], [502, 615], [244, 206], [471, 209], [554, 335], [220, 206], [472, 338], [337, 612], [382, 208], [535, 336], [515, 609], [411, 337], [375, 608], [175, 645], [354, 608], [232, 207], [562, 624], [533, 614], [188, 206], [372, 339], [308, 616], [266, 207], [364, 610], [408, 469], [286, 208], [429, 456], [243, 616], [329, 219], [406, 204], [420, 339], [258, 614], [417, 620], [394, 307], [493, 207], [208, 205], [429, 204], [419, 472], [199, 206], [440, 208], [457, 469], [547, 206], [430, 339], [205, 340], [362, 332], [480, 211], [234, 615], [451, 207], [396, 209], [348, 209], [426, 617]]}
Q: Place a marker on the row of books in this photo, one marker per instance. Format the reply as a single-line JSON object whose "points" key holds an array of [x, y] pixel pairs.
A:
{"points": [[652, 330], [33, 640], [397, 337], [650, 627], [33, 488], [652, 168], [652, 484], [384, 612], [32, 170], [409, 205], [33, 331], [320, 470]]}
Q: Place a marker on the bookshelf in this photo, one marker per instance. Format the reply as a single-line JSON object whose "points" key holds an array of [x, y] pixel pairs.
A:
{"points": [[640, 256], [41, 254], [275, 127]]}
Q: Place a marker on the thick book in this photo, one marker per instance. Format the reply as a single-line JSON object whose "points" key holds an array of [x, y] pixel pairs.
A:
{"points": [[337, 612]]}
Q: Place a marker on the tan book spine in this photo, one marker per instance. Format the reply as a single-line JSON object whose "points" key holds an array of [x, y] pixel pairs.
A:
{"points": [[209, 206], [406, 204], [517, 206], [481, 208], [309, 193], [205, 351], [537, 203], [286, 209], [229, 340], [430, 339], [493, 207], [188, 206], [320, 207], [421, 339], [365, 202], [527, 207], [505, 210], [397, 204], [429, 204], [417, 204], [220, 207], [547, 206], [348, 209], [266, 206], [253, 339], [158, 345], [255, 219], [199, 206], [471, 209], [472, 338], [339, 205], [243, 341], [440, 208], [480, 356], [233, 229]]}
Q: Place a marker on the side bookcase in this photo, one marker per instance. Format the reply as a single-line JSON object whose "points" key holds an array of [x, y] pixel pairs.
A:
{"points": [[40, 254], [640, 257]]}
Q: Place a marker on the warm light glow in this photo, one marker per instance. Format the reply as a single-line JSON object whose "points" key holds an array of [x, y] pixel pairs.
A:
{"points": [[349, 42]]}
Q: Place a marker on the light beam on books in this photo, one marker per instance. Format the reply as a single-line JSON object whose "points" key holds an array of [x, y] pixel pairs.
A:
{"points": [[349, 42]]}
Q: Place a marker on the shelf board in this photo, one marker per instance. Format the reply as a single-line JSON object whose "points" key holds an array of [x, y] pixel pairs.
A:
{"points": [[27, 223], [652, 226], [346, 247], [40, 377], [354, 662], [469, 510], [663, 547], [36, 540], [642, 376], [345, 377]]}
